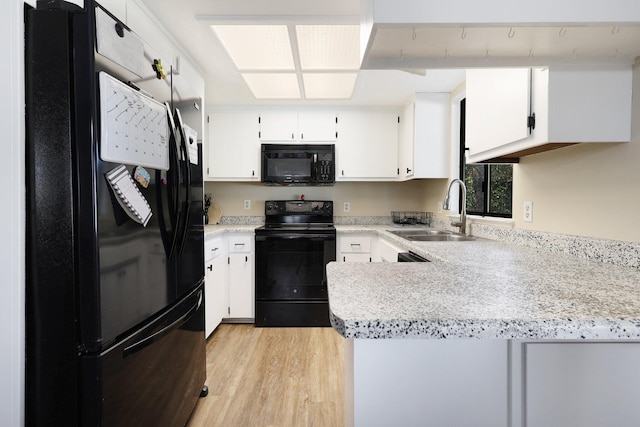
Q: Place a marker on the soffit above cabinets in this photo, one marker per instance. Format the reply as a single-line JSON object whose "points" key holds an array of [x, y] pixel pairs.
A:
{"points": [[431, 34], [422, 46]]}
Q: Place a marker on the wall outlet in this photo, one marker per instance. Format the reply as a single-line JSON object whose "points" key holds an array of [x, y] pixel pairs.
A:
{"points": [[527, 211], [247, 204], [347, 206], [439, 207]]}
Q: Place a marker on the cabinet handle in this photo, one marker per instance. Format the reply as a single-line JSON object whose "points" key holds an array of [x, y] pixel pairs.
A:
{"points": [[210, 268], [344, 259], [355, 244], [408, 170], [253, 173], [246, 259], [343, 172], [293, 136]]}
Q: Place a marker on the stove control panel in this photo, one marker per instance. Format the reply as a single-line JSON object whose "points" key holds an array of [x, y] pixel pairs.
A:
{"points": [[298, 207]]}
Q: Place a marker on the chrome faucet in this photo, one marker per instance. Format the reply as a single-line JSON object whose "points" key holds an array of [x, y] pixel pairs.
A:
{"points": [[463, 214]]}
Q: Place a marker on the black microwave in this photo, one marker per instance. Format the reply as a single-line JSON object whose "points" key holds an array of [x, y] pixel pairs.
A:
{"points": [[298, 164]]}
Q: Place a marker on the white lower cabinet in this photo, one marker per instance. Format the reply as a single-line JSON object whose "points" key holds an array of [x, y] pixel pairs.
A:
{"points": [[241, 284], [229, 284], [581, 384], [426, 382], [387, 251], [216, 287], [355, 247]]}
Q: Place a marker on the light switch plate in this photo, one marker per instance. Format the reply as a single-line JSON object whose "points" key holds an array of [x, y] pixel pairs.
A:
{"points": [[527, 211]]}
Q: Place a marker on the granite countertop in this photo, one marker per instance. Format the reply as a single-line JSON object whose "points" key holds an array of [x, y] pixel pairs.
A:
{"points": [[211, 230], [483, 289]]}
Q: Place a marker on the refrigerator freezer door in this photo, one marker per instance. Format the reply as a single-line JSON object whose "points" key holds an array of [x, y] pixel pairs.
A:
{"points": [[152, 378]]}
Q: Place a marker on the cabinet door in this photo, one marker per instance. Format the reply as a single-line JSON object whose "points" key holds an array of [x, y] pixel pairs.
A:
{"points": [[405, 143], [241, 290], [497, 107], [582, 384], [356, 257], [431, 135], [367, 146], [216, 290], [234, 148], [279, 127], [317, 126]]}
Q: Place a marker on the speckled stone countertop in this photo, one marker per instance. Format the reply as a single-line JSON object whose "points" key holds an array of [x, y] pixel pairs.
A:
{"points": [[211, 230], [483, 289]]}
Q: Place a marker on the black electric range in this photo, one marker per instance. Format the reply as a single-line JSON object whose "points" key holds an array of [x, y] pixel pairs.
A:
{"points": [[292, 251]]}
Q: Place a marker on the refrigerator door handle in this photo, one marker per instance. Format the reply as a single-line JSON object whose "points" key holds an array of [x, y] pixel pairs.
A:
{"points": [[145, 342], [173, 185], [184, 149]]}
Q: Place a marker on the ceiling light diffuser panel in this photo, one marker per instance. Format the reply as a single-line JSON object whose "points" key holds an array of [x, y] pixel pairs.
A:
{"points": [[257, 47], [273, 85], [329, 85], [328, 47]]}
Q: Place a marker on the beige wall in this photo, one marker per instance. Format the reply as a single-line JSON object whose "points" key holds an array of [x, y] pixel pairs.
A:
{"points": [[588, 190], [366, 198]]}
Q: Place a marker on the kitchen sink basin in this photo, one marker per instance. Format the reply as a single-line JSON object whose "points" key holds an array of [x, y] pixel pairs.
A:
{"points": [[431, 235]]}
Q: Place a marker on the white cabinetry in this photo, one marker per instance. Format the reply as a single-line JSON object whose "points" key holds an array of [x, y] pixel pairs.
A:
{"points": [[216, 287], [426, 382], [424, 137], [367, 147], [581, 384], [234, 148], [291, 126], [241, 267], [355, 247], [570, 105], [387, 251]]}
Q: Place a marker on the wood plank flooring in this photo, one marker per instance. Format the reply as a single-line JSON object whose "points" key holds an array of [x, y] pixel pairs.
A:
{"points": [[268, 377]]}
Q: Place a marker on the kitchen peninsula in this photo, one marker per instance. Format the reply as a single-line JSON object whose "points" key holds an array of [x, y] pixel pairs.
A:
{"points": [[488, 334]]}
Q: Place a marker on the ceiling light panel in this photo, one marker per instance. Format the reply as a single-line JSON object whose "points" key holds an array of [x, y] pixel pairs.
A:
{"points": [[329, 85], [273, 85], [257, 47], [328, 47]]}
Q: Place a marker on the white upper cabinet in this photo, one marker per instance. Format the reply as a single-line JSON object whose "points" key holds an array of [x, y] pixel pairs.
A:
{"points": [[498, 103], [279, 127], [234, 148], [317, 126], [367, 146], [424, 137], [292, 126], [569, 105], [144, 25]]}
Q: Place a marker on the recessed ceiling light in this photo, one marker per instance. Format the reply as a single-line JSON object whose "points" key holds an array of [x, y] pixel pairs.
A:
{"points": [[328, 47], [273, 85], [257, 47], [329, 85]]}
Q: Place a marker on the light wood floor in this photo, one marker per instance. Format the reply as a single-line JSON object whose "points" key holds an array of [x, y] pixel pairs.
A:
{"points": [[264, 377]]}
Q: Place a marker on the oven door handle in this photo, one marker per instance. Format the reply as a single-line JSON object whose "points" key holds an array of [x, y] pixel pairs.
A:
{"points": [[294, 236]]}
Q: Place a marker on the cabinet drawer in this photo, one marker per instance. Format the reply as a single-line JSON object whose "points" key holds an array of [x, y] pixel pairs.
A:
{"points": [[240, 243], [212, 248], [355, 244]]}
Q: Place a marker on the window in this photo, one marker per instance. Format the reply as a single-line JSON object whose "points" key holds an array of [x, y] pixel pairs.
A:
{"points": [[489, 186]]}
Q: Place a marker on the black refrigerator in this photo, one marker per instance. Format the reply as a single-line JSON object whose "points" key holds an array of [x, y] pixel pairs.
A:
{"points": [[115, 234]]}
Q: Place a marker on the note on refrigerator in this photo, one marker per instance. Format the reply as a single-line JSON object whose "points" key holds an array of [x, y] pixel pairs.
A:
{"points": [[128, 195]]}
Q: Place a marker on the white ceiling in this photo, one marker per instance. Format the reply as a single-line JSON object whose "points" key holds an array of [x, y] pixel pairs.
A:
{"points": [[189, 20]]}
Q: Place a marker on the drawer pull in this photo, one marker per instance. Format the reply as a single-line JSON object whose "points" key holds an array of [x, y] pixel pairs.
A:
{"points": [[355, 244]]}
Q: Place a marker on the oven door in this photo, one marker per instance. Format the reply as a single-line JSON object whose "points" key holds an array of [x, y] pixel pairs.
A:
{"points": [[290, 265]]}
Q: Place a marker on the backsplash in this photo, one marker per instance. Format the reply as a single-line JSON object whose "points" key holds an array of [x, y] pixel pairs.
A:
{"points": [[625, 254]]}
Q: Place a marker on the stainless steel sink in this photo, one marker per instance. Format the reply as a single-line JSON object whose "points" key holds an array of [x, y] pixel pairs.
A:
{"points": [[431, 235]]}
